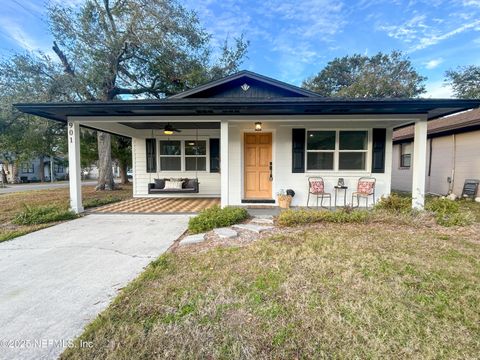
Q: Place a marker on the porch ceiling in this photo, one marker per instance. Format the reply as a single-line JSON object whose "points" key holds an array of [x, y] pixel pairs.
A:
{"points": [[177, 125]]}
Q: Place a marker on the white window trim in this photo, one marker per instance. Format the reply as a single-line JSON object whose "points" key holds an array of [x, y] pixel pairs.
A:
{"points": [[337, 151], [183, 156]]}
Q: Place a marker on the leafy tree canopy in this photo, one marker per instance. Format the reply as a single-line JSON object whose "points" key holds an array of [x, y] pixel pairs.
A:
{"points": [[465, 81], [359, 76]]}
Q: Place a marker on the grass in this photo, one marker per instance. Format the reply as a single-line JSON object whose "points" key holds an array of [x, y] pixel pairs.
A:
{"points": [[13, 206], [349, 290]]}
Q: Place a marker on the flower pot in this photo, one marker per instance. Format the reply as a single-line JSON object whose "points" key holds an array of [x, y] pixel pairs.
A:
{"points": [[284, 201]]}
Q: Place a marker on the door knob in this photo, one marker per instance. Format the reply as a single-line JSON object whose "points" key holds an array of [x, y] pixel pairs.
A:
{"points": [[271, 175]]}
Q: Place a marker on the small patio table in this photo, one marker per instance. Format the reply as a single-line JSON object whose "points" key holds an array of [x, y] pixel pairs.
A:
{"points": [[344, 188]]}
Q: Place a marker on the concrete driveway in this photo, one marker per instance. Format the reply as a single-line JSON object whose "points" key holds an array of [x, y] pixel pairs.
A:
{"points": [[55, 281]]}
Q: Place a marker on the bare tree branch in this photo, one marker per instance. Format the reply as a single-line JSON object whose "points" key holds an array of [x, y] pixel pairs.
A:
{"points": [[63, 58]]}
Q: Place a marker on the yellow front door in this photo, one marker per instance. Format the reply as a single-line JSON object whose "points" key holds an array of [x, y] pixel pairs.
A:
{"points": [[258, 159]]}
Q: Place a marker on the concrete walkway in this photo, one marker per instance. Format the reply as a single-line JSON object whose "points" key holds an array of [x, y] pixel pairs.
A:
{"points": [[55, 281]]}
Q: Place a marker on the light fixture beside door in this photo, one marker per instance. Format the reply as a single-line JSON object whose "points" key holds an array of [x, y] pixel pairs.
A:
{"points": [[258, 126]]}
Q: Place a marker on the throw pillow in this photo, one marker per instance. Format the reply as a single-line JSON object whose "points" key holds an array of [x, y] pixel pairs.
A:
{"points": [[173, 184]]}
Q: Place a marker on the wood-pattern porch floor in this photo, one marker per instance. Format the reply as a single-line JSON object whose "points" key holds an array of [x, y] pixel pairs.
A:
{"points": [[158, 206]]}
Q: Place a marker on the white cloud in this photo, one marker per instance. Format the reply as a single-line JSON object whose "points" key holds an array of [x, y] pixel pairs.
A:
{"points": [[438, 90], [16, 33], [471, 3], [432, 64]]}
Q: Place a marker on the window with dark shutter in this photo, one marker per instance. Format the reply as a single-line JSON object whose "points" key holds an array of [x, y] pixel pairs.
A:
{"points": [[298, 150], [151, 147], [214, 155], [379, 139]]}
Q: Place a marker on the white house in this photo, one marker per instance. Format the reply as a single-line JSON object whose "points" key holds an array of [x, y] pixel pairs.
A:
{"points": [[246, 136], [453, 154]]}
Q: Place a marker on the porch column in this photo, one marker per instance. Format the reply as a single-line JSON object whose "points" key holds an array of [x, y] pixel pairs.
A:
{"points": [[224, 162], [74, 167], [419, 164]]}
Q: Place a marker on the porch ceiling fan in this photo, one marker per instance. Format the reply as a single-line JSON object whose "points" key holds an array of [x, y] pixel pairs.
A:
{"points": [[169, 129]]}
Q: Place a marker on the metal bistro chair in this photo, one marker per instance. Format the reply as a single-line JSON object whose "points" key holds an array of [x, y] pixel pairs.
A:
{"points": [[316, 187], [365, 188]]}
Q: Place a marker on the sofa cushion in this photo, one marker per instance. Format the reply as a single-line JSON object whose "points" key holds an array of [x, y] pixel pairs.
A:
{"points": [[159, 183], [189, 183]]}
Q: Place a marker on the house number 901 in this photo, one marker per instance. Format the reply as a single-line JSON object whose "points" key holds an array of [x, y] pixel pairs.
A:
{"points": [[70, 132]]}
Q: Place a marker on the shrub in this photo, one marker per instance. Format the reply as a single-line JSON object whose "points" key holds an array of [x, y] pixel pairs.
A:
{"points": [[395, 203], [216, 217], [447, 213], [298, 217], [439, 205], [42, 215]]}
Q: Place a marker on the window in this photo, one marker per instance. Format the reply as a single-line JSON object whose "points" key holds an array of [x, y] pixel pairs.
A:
{"points": [[337, 150], [27, 168], [57, 168], [320, 150], [170, 155], [195, 155], [151, 149], [405, 155], [353, 150]]}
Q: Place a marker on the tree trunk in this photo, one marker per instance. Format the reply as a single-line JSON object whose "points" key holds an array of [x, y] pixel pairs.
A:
{"points": [[123, 172], [41, 169], [105, 173], [15, 178], [4, 176]]}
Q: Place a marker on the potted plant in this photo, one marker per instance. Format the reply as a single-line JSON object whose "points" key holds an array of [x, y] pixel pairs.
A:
{"points": [[285, 198]]}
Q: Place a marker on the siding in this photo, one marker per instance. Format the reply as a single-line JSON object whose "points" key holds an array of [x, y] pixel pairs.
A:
{"points": [[456, 156], [283, 178], [209, 182], [467, 159], [442, 165], [401, 177]]}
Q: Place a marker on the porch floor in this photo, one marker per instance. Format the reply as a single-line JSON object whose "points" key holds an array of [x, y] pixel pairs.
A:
{"points": [[158, 206]]}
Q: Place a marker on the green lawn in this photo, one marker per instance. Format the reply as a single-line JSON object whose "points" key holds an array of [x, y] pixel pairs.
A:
{"points": [[376, 290], [14, 203]]}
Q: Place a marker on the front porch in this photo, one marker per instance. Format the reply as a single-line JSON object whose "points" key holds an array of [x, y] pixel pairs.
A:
{"points": [[247, 137]]}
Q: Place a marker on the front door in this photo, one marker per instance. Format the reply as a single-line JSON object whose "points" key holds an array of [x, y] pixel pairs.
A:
{"points": [[257, 164]]}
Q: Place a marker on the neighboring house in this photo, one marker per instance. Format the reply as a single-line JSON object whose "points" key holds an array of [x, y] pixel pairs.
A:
{"points": [[246, 136], [28, 171], [453, 154]]}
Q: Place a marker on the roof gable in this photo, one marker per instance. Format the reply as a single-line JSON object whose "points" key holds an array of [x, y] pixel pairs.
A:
{"points": [[245, 84]]}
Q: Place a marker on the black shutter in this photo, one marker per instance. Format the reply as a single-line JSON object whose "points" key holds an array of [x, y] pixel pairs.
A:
{"points": [[298, 150], [214, 155], [378, 153], [151, 147]]}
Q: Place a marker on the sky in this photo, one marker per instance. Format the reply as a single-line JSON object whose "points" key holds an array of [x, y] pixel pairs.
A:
{"points": [[291, 40]]}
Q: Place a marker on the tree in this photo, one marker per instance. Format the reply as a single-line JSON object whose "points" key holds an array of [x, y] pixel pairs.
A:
{"points": [[465, 81], [26, 78], [130, 48], [122, 153], [378, 76]]}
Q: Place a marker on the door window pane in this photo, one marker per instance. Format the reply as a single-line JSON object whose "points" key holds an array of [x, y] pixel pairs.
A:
{"points": [[170, 147], [352, 161], [170, 163], [353, 140], [320, 161], [321, 140], [193, 147], [190, 163]]}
